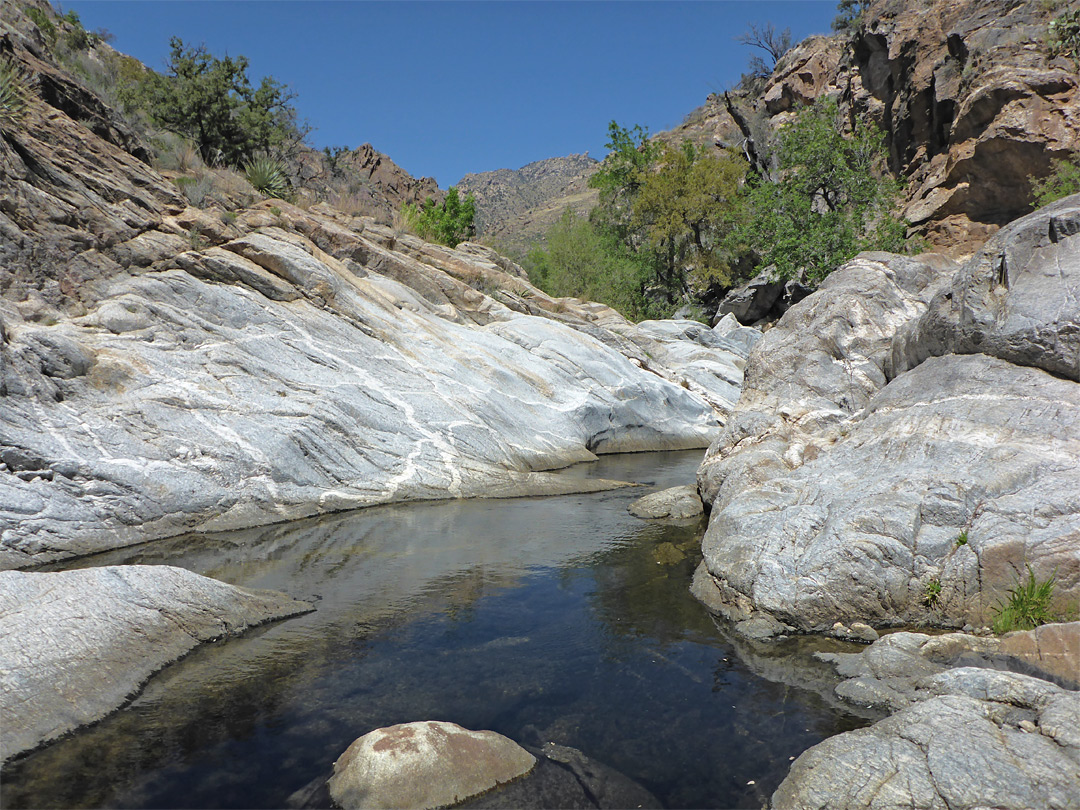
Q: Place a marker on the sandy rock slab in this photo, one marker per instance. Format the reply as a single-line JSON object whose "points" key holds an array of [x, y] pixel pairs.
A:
{"points": [[424, 765], [677, 503], [76, 645]]}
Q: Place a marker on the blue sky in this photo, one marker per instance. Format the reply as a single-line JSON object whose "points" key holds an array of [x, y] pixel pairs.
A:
{"points": [[448, 88]]}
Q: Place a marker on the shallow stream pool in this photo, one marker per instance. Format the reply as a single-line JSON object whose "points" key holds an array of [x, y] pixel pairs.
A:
{"points": [[558, 619]]}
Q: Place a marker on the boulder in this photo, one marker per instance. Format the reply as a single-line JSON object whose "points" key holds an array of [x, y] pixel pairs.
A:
{"points": [[1017, 299], [424, 765], [863, 477], [751, 302], [76, 645], [959, 736], [677, 503], [949, 751]]}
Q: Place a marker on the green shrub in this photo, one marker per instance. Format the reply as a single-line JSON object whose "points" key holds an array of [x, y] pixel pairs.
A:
{"points": [[44, 24], [1028, 605], [1063, 180], [832, 199], [14, 95], [579, 260], [449, 224], [212, 102], [1063, 36], [267, 176]]}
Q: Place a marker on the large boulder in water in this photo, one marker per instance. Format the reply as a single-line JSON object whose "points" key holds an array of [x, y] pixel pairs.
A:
{"points": [[75, 645], [424, 765]]}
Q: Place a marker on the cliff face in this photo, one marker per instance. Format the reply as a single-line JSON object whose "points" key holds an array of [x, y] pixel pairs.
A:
{"points": [[970, 103], [517, 207]]}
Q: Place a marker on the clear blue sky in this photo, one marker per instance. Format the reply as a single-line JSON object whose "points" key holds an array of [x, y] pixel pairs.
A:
{"points": [[448, 88]]}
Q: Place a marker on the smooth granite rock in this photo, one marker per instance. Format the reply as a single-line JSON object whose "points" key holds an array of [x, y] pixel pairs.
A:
{"points": [[677, 503], [424, 765], [75, 645], [1018, 299], [965, 736], [879, 469], [267, 381]]}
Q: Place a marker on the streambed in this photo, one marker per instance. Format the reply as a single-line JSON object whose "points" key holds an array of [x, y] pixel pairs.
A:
{"points": [[557, 619]]}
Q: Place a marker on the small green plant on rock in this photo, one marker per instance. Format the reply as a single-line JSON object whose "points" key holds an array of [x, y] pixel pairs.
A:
{"points": [[1063, 180], [1028, 605], [962, 538], [1063, 36], [44, 24], [932, 594], [14, 95], [267, 176]]}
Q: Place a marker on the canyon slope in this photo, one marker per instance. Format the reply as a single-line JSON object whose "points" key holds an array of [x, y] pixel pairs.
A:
{"points": [[167, 368]]}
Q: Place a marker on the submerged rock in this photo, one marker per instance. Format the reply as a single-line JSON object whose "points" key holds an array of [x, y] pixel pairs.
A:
{"points": [[438, 764], [76, 645], [677, 503], [424, 765]]}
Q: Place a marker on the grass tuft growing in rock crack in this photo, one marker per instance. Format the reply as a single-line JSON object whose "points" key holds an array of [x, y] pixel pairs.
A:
{"points": [[1028, 605]]}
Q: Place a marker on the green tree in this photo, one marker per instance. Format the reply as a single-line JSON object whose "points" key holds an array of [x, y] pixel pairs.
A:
{"points": [[833, 199], [580, 260], [630, 154], [683, 209], [850, 15], [448, 223], [212, 102]]}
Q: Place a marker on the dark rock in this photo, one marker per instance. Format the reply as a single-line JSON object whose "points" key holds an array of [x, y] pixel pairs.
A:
{"points": [[752, 301]]}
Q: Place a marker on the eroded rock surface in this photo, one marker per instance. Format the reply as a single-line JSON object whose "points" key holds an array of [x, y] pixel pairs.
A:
{"points": [[75, 645], [879, 469], [971, 104], [167, 368], [961, 736]]}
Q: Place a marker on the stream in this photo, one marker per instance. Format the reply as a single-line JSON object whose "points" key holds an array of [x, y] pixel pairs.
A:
{"points": [[557, 619]]}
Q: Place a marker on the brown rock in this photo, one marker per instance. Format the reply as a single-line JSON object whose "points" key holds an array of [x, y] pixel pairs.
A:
{"points": [[1053, 648]]}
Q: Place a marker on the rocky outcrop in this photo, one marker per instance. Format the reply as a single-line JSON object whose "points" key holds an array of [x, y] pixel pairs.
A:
{"points": [[361, 181], [76, 645], [961, 736], [970, 102], [183, 369], [873, 473], [972, 106], [517, 207]]}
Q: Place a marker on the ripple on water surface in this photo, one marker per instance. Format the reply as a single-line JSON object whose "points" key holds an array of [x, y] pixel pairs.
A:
{"points": [[545, 619]]}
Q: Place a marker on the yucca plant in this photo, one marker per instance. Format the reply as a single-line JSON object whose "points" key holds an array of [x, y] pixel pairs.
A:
{"points": [[267, 176], [1028, 605], [14, 95]]}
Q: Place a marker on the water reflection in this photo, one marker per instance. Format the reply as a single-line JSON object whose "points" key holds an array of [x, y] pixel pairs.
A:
{"points": [[559, 619]]}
